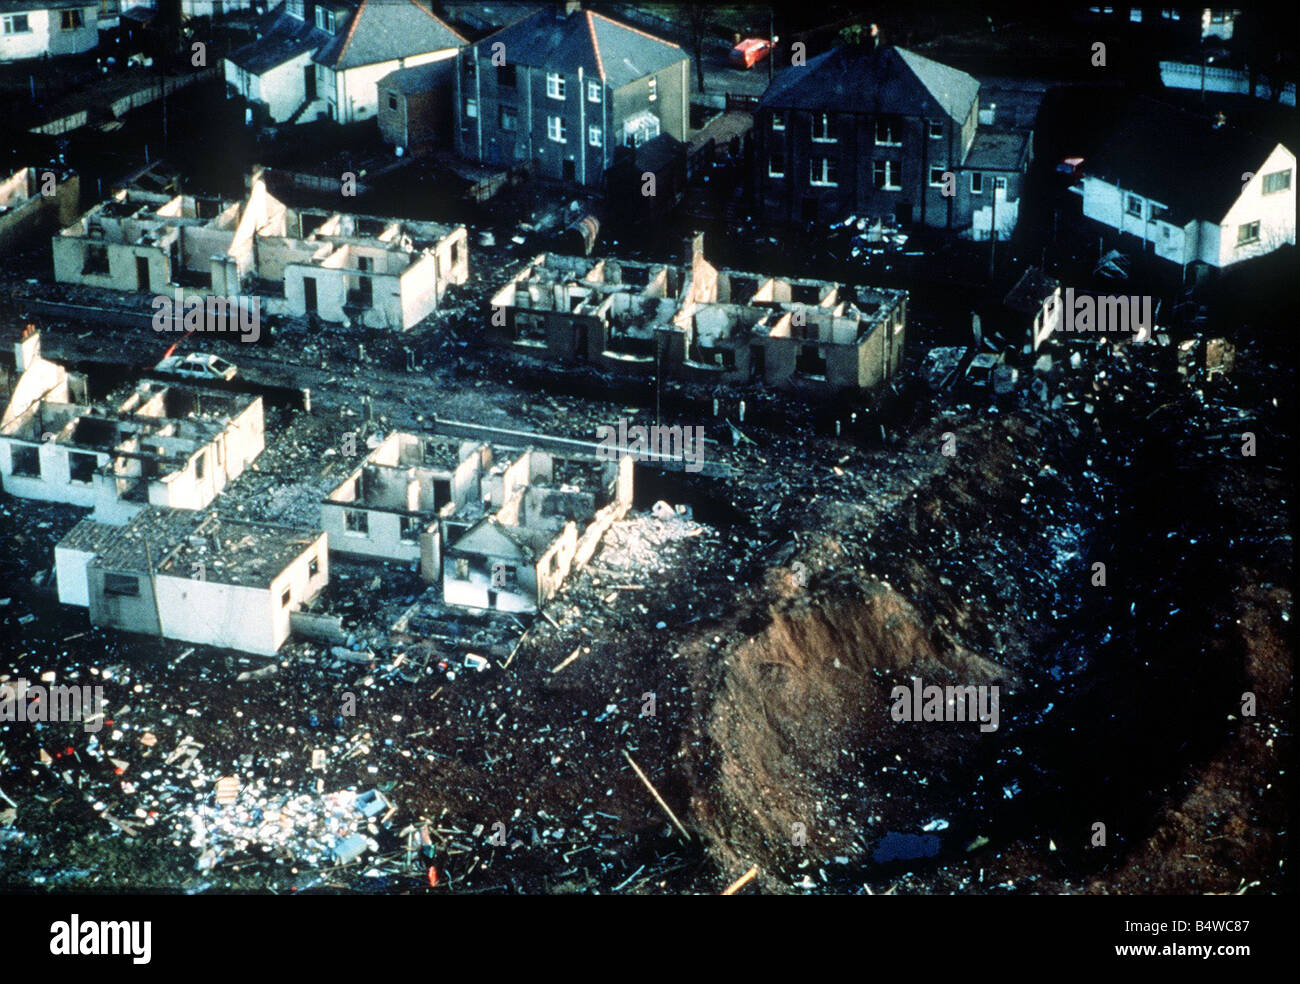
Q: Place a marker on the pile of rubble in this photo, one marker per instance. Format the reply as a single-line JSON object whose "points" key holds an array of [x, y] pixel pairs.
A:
{"points": [[303, 827]]}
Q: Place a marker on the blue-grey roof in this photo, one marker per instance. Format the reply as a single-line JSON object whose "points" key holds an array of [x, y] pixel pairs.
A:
{"points": [[422, 78], [887, 80], [386, 30], [1179, 159], [282, 37], [27, 6], [609, 49]]}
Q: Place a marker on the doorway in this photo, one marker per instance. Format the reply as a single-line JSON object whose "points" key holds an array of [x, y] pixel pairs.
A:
{"points": [[365, 287], [142, 273], [569, 170]]}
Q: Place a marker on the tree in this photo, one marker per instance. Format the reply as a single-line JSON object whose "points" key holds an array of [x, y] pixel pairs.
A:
{"points": [[1263, 38], [697, 19]]}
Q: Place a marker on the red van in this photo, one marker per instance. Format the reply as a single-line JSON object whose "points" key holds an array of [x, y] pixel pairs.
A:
{"points": [[750, 52]]}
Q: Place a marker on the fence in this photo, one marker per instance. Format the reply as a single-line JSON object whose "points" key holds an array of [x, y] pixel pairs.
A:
{"points": [[1182, 75]]}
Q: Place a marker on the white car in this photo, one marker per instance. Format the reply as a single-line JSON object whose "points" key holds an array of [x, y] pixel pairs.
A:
{"points": [[198, 365]]}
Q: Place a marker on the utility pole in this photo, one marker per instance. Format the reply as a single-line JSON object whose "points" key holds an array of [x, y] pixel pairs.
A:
{"points": [[993, 230], [658, 353], [771, 36]]}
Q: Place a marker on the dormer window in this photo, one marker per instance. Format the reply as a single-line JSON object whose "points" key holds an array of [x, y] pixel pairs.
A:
{"points": [[325, 19], [295, 9]]}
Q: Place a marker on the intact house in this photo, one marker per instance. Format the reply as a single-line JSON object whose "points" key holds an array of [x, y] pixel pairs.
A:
{"points": [[164, 444], [381, 273], [558, 90], [216, 8], [1191, 190], [324, 60], [47, 29], [415, 111], [25, 206], [194, 577], [882, 132], [702, 323], [496, 531]]}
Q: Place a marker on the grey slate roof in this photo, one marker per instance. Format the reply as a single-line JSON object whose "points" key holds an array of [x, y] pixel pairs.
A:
{"points": [[422, 78], [600, 46], [174, 541], [1178, 159], [887, 80], [386, 30], [282, 38], [998, 150], [28, 6]]}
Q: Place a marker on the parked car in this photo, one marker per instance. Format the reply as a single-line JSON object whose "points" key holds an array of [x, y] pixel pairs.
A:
{"points": [[1070, 166], [750, 52], [197, 365]]}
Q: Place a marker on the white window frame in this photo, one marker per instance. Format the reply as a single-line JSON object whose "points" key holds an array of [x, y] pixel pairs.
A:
{"points": [[8, 22], [554, 85], [1256, 225], [653, 83], [826, 122], [775, 160], [824, 181], [778, 122], [505, 112], [1263, 187], [999, 184], [932, 124], [595, 138], [892, 172], [974, 176], [1129, 201], [325, 20], [942, 169], [556, 129], [593, 91], [471, 109], [74, 15], [893, 127]]}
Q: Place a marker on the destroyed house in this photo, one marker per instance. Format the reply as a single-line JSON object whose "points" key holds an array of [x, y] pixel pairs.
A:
{"points": [[164, 444], [31, 197], [539, 517], [195, 577], [702, 323], [389, 507], [499, 531], [341, 268], [1034, 308]]}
